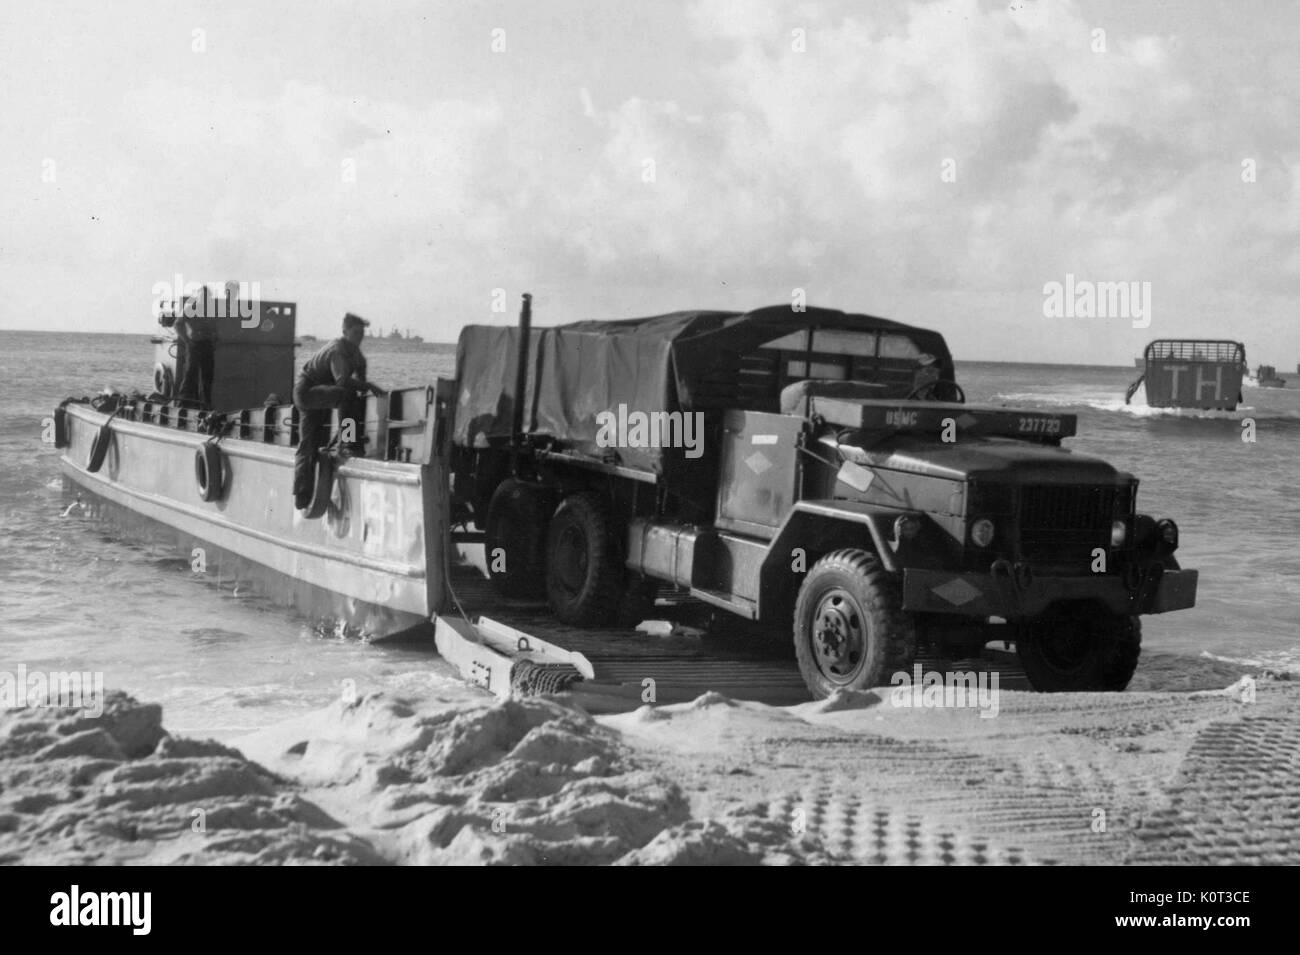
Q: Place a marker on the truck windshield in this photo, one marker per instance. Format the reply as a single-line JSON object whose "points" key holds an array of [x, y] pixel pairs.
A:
{"points": [[837, 354]]}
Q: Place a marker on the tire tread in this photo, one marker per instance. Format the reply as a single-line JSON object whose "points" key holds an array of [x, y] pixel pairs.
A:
{"points": [[880, 597]]}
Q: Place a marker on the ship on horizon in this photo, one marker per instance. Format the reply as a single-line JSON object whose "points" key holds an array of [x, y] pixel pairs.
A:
{"points": [[395, 334]]}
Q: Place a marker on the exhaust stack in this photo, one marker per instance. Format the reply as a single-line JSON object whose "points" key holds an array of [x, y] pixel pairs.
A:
{"points": [[521, 382]]}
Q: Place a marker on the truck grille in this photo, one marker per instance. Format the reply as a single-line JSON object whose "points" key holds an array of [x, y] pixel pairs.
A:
{"points": [[1066, 522]]}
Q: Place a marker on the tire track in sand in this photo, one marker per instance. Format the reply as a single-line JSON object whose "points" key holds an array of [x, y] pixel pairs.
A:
{"points": [[867, 832], [1235, 799]]}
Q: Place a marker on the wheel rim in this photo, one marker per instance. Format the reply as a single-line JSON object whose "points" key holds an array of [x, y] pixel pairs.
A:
{"points": [[1065, 647], [839, 636], [571, 560]]}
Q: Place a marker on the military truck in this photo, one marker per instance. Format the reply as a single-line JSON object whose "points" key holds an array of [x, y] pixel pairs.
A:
{"points": [[810, 469]]}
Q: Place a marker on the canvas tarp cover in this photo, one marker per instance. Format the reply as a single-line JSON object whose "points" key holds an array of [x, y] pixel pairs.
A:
{"points": [[665, 363]]}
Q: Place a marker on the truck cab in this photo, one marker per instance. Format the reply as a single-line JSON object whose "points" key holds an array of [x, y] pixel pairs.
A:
{"points": [[818, 471]]}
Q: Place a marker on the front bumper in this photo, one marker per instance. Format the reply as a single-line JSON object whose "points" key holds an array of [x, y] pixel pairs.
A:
{"points": [[1010, 594]]}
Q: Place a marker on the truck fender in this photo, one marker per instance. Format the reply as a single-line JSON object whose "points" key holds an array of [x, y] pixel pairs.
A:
{"points": [[817, 527]]}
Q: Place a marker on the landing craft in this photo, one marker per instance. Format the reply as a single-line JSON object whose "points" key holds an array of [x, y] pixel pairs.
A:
{"points": [[1204, 374], [1266, 377], [218, 481]]}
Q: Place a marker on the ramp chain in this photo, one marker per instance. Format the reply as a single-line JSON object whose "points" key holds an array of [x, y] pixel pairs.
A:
{"points": [[533, 679]]}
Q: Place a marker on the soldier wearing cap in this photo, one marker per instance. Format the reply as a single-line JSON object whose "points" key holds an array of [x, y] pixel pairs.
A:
{"points": [[334, 377], [196, 330]]}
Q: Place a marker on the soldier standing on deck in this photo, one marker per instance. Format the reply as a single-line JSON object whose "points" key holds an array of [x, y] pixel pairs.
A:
{"points": [[334, 377], [196, 329]]}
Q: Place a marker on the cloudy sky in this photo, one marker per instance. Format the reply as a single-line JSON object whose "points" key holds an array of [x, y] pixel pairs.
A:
{"points": [[939, 163]]}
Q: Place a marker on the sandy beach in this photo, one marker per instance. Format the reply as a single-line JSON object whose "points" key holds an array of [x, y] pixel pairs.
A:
{"points": [[1182, 768]]}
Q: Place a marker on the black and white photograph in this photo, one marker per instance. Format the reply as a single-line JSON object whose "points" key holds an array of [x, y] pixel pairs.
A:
{"points": [[698, 433]]}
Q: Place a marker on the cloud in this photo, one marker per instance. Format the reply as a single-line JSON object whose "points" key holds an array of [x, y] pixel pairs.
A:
{"points": [[742, 150], [1102, 154]]}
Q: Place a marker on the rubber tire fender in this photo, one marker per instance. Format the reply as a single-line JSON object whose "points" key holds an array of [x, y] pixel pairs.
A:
{"points": [[61, 427], [163, 383], [321, 488], [99, 446], [209, 472]]}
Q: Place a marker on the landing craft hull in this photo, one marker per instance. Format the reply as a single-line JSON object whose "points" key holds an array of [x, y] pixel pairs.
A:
{"points": [[375, 559], [1219, 388], [1192, 373]]}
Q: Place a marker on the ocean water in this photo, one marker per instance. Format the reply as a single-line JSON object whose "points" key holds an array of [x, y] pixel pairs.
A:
{"points": [[73, 595]]}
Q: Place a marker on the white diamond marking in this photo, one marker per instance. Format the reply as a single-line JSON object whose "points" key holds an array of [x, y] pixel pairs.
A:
{"points": [[957, 592]]}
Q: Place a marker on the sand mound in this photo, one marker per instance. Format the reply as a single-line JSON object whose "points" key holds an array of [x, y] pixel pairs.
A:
{"points": [[842, 700], [732, 841], [527, 780], [1193, 777], [117, 788]]}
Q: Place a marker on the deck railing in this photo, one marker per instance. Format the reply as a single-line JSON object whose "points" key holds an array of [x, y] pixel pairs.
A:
{"points": [[1196, 350], [396, 425]]}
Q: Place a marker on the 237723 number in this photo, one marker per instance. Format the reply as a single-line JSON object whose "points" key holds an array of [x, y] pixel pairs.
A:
{"points": [[1040, 425]]}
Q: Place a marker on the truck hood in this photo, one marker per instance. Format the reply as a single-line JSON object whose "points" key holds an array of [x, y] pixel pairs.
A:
{"points": [[1023, 462]]}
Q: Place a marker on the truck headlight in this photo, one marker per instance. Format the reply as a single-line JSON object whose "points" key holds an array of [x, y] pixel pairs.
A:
{"points": [[1167, 531], [981, 532], [906, 527], [1118, 533]]}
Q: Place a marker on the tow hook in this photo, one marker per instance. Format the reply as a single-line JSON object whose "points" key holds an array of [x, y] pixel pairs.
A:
{"points": [[1011, 582], [1143, 580]]}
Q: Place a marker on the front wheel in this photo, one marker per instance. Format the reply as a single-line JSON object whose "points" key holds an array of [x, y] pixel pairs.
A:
{"points": [[1085, 650], [850, 631]]}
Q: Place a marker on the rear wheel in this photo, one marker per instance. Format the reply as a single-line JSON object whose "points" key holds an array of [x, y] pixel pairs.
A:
{"points": [[1080, 650], [850, 631], [514, 541], [584, 576]]}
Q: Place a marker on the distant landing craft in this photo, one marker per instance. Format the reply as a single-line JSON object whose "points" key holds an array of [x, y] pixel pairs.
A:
{"points": [[1266, 377], [1196, 373]]}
